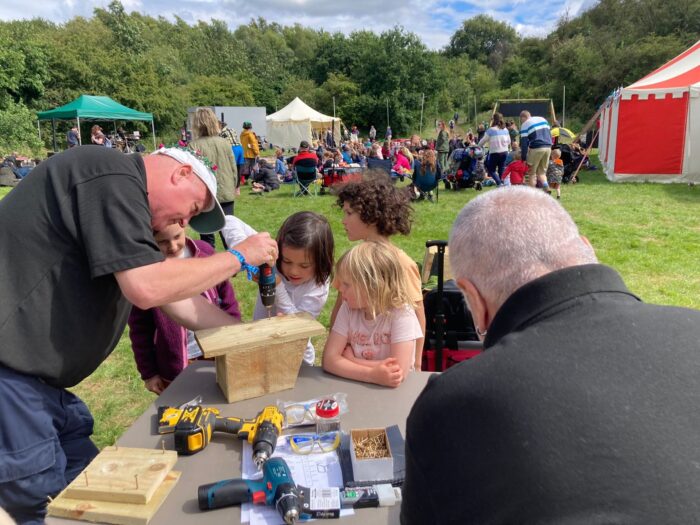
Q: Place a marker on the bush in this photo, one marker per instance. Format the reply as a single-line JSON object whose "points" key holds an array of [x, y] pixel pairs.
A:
{"points": [[17, 131]]}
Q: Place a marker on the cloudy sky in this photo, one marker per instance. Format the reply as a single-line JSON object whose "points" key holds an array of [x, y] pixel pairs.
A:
{"points": [[433, 20]]}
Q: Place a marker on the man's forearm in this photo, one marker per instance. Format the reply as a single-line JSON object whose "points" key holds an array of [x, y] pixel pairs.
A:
{"points": [[196, 313], [175, 279]]}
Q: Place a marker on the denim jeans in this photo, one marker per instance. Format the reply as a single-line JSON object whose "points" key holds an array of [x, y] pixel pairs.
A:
{"points": [[496, 165]]}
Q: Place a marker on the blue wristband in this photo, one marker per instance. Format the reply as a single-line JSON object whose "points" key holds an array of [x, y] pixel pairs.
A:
{"points": [[250, 270]]}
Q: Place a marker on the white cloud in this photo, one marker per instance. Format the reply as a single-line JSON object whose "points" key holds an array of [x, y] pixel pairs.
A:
{"points": [[433, 20]]}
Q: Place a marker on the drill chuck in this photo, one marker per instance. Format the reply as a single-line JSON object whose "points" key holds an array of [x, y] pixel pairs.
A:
{"points": [[288, 505], [265, 442]]}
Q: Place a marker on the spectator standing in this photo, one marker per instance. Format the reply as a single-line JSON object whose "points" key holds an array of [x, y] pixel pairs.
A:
{"points": [[354, 134], [498, 139], [455, 117], [535, 148], [388, 134], [442, 145], [218, 151], [480, 130], [251, 148], [229, 134], [513, 132], [95, 132], [73, 137], [372, 133], [452, 125]]}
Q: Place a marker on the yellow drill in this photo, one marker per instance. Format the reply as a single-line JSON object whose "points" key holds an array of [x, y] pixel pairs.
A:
{"points": [[194, 425]]}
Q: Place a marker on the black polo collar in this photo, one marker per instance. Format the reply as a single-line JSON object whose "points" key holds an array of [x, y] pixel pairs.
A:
{"points": [[548, 291]]}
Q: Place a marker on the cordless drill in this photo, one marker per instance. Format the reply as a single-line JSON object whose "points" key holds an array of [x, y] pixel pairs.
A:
{"points": [[275, 488], [193, 427], [266, 284]]}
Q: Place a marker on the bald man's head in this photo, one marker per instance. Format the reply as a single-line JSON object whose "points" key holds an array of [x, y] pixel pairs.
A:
{"points": [[534, 236]]}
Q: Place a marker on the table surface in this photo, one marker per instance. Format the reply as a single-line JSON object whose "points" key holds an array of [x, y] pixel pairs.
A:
{"points": [[369, 406]]}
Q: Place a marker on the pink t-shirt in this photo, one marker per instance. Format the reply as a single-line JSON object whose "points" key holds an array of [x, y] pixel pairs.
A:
{"points": [[372, 339]]}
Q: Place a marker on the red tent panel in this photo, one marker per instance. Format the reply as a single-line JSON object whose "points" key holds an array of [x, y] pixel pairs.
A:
{"points": [[659, 151]]}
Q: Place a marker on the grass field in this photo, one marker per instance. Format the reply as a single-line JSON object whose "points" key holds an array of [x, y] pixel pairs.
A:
{"points": [[648, 232]]}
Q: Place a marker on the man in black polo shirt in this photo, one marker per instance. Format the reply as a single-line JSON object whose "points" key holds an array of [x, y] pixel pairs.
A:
{"points": [[77, 251], [583, 407]]}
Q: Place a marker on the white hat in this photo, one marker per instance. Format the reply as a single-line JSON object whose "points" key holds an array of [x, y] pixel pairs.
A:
{"points": [[211, 219]]}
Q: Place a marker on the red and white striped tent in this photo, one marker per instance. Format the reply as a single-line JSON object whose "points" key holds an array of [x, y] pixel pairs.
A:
{"points": [[650, 130]]}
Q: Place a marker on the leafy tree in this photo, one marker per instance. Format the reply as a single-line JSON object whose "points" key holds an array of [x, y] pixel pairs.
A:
{"points": [[303, 88], [17, 128], [483, 39], [126, 30]]}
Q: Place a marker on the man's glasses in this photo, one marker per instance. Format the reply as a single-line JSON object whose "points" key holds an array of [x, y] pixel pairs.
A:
{"points": [[305, 444]]}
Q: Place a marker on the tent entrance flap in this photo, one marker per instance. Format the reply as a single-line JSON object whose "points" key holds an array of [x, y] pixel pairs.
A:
{"points": [[634, 153]]}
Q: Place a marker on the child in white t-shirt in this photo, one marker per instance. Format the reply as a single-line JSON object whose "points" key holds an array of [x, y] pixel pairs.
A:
{"points": [[304, 265], [373, 338]]}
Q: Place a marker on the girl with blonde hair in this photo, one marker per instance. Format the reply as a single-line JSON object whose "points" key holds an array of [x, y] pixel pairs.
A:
{"points": [[373, 338]]}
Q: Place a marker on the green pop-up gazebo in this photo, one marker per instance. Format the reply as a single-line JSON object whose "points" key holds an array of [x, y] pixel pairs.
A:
{"points": [[90, 107]]}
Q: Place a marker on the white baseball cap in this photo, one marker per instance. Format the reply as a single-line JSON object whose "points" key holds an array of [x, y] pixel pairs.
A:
{"points": [[210, 219]]}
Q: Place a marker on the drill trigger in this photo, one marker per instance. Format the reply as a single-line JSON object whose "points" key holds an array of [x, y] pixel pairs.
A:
{"points": [[259, 497]]}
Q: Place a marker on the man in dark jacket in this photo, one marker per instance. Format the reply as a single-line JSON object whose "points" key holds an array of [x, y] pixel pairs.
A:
{"points": [[583, 407]]}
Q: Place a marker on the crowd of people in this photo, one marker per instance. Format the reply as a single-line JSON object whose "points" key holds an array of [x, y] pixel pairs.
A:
{"points": [[562, 418]]}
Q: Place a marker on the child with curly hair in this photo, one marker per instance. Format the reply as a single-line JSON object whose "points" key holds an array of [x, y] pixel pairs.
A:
{"points": [[374, 210]]}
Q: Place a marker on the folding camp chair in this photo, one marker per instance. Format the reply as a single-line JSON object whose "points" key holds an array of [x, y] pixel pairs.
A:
{"points": [[305, 178]]}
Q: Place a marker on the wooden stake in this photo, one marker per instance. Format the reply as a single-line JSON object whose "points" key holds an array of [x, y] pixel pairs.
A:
{"points": [[136, 477], [86, 479]]}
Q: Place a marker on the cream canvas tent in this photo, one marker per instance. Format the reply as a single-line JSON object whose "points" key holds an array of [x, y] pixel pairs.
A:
{"points": [[296, 121]]}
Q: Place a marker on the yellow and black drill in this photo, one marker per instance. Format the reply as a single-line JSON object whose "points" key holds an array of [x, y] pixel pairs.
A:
{"points": [[194, 425]]}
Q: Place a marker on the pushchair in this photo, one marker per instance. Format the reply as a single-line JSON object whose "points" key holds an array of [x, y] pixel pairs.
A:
{"points": [[450, 335], [571, 158], [465, 168]]}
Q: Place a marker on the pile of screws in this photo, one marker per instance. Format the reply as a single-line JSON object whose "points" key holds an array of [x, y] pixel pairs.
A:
{"points": [[372, 447]]}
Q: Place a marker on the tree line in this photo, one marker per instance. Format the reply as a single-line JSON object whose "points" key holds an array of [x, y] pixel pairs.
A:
{"points": [[163, 67]]}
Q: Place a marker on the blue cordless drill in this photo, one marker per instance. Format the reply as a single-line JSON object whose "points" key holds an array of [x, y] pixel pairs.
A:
{"points": [[275, 488]]}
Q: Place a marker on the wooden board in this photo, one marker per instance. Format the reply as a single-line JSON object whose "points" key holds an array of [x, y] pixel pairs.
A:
{"points": [[111, 512], [429, 260], [264, 333], [122, 475]]}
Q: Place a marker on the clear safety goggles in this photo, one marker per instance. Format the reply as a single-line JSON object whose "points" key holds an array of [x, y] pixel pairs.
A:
{"points": [[300, 414], [305, 444]]}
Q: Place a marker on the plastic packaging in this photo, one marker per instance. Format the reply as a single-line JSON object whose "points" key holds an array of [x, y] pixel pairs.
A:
{"points": [[303, 413]]}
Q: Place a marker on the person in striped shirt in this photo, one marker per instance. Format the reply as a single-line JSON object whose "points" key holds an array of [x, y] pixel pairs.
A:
{"points": [[535, 146]]}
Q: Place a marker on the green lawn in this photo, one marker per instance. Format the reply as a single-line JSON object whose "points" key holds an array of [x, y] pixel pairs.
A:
{"points": [[648, 232]]}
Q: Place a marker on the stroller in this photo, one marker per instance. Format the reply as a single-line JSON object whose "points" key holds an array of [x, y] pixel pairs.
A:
{"points": [[465, 168], [450, 335], [572, 158]]}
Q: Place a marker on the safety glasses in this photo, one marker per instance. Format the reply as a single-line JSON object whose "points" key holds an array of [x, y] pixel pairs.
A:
{"points": [[300, 414], [306, 443]]}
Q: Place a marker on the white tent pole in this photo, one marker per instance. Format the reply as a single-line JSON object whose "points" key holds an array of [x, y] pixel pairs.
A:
{"points": [[153, 130], [333, 107], [38, 127], [80, 135]]}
